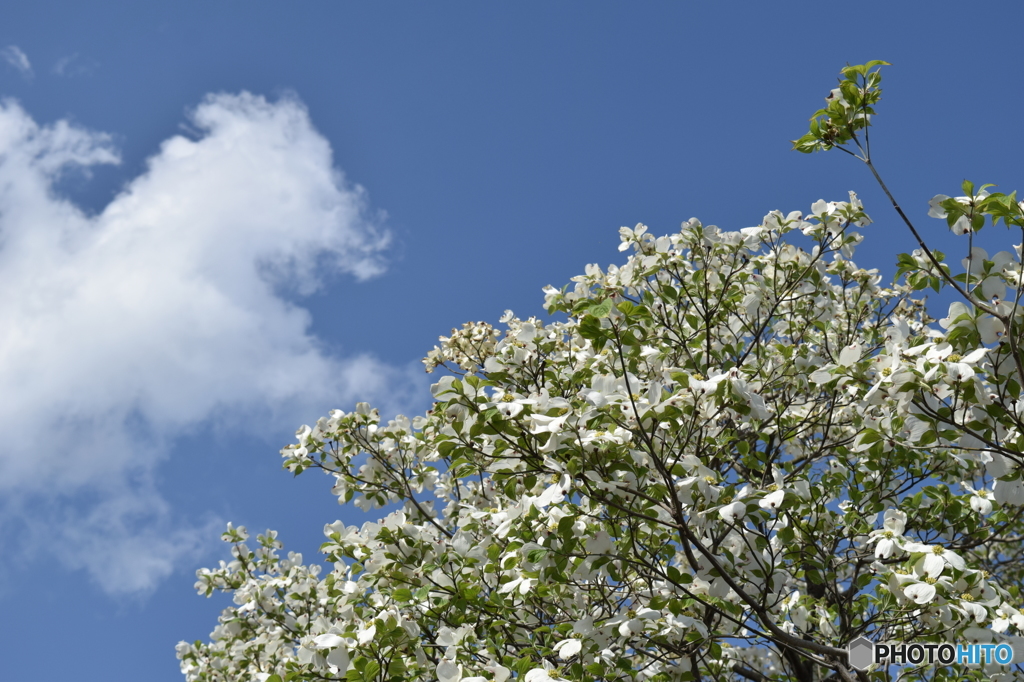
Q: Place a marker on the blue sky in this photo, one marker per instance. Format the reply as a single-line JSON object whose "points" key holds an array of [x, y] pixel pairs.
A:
{"points": [[222, 219]]}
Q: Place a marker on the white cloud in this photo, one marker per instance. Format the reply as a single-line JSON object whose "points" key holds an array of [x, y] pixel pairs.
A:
{"points": [[14, 56], [165, 312], [73, 65]]}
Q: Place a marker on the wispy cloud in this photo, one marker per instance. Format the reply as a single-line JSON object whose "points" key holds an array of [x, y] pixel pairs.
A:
{"points": [[170, 310], [14, 56], [73, 65]]}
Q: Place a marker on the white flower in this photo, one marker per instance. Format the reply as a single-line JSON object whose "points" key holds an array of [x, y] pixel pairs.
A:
{"points": [[850, 354], [977, 635], [1009, 492], [836, 95], [701, 386], [540, 675], [990, 328], [973, 609], [1005, 615], [510, 409], [447, 637], [553, 494], [547, 424], [890, 537], [328, 641], [731, 513], [500, 672], [935, 559], [522, 584], [365, 634], [772, 501], [980, 501], [607, 389], [963, 224], [339, 658], [568, 648], [957, 310], [920, 593], [448, 671], [935, 209], [599, 543]]}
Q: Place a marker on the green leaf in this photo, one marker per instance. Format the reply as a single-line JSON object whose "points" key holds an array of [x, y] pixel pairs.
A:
{"points": [[601, 309], [397, 669], [535, 555], [590, 328]]}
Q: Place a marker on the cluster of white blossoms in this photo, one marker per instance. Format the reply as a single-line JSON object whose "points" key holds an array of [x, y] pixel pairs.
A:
{"points": [[733, 457], [465, 348]]}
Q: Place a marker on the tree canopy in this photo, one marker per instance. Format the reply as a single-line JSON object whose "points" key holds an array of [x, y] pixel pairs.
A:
{"points": [[726, 458]]}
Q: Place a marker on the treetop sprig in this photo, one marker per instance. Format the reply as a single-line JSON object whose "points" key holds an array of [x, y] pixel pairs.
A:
{"points": [[849, 109]]}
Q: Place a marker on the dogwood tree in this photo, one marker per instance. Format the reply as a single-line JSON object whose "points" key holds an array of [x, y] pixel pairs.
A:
{"points": [[724, 458]]}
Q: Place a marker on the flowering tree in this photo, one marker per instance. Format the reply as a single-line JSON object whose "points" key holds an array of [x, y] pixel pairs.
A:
{"points": [[736, 454]]}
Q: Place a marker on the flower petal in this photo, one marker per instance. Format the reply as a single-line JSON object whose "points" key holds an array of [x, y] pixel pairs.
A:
{"points": [[920, 593]]}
